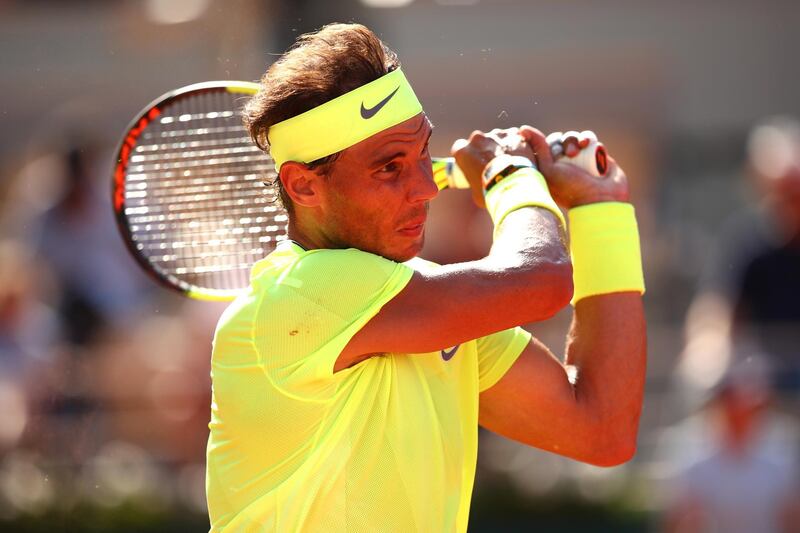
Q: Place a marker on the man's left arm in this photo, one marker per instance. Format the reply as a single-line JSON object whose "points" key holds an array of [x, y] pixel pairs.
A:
{"points": [[587, 409]]}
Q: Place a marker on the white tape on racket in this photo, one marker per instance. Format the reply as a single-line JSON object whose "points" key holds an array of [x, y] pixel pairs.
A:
{"points": [[593, 158]]}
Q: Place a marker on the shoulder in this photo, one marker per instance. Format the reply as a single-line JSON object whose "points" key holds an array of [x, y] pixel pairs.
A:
{"points": [[344, 280], [344, 263], [292, 262]]}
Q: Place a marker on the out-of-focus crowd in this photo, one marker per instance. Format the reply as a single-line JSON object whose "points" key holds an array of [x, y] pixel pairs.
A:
{"points": [[104, 386], [734, 460]]}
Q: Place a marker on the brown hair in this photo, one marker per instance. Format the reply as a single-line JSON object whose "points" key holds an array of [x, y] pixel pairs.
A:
{"points": [[319, 67]]}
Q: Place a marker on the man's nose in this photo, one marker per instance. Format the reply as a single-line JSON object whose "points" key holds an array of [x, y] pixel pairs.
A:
{"points": [[423, 188]]}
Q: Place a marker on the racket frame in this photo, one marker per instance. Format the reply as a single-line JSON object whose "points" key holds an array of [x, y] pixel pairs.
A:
{"points": [[124, 152]]}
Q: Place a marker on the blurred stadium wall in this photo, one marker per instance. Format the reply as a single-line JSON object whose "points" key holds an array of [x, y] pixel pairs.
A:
{"points": [[671, 87]]}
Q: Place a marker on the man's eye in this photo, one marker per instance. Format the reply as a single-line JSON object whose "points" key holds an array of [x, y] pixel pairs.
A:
{"points": [[389, 168]]}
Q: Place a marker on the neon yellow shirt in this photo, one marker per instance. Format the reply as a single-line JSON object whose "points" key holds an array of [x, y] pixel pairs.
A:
{"points": [[389, 444]]}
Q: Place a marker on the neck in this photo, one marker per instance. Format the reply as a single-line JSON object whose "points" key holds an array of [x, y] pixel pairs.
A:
{"points": [[309, 235]]}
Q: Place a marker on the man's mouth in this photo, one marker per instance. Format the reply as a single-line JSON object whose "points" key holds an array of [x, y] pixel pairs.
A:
{"points": [[414, 227]]}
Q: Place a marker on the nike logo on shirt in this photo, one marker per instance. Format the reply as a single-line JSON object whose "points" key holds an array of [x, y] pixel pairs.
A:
{"points": [[448, 354], [368, 113]]}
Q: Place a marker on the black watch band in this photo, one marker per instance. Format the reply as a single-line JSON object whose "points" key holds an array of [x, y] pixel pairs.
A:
{"points": [[502, 166]]}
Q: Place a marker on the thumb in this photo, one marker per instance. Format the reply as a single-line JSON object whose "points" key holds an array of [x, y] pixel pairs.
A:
{"points": [[471, 164], [538, 142], [460, 144]]}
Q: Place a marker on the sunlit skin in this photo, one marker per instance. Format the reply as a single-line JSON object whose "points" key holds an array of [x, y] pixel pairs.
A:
{"points": [[375, 200], [375, 197]]}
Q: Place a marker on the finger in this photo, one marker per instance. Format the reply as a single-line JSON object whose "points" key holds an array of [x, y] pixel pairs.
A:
{"points": [[541, 148], [588, 135], [515, 143], [458, 145], [531, 134], [469, 154], [508, 140], [570, 136], [505, 132], [554, 138], [480, 141], [495, 136], [570, 140], [496, 133], [571, 147], [471, 159], [476, 135]]}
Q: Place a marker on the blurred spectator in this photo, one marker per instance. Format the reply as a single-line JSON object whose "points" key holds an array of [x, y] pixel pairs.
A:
{"points": [[749, 299], [28, 336], [28, 328], [77, 237], [734, 465]]}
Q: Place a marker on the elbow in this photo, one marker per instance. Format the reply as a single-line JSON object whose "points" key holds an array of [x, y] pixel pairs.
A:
{"points": [[612, 452], [539, 286], [555, 287], [566, 285], [614, 456]]}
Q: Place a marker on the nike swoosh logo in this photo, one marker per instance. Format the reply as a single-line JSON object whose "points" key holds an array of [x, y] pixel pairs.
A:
{"points": [[448, 354], [367, 114]]}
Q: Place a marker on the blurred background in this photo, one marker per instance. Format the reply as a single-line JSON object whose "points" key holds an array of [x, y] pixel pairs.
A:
{"points": [[104, 386]]}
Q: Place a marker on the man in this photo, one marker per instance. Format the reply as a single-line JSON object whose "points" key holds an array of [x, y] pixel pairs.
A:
{"points": [[349, 385], [747, 299], [741, 473]]}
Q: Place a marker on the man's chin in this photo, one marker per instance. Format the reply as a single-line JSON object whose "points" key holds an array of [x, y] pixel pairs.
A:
{"points": [[399, 252], [410, 252], [402, 254]]}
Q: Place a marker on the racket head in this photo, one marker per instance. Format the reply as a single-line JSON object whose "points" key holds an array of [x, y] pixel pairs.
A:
{"points": [[188, 191], [193, 203]]}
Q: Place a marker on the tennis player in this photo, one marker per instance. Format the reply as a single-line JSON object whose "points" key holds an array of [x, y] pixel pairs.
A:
{"points": [[350, 379]]}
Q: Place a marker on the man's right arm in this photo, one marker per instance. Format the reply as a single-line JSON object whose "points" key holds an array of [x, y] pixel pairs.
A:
{"points": [[526, 277]]}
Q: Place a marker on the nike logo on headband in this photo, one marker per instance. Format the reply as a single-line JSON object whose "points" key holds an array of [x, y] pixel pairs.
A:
{"points": [[367, 114]]}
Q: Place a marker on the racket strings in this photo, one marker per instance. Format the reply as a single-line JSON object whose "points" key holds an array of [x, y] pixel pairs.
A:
{"points": [[196, 201]]}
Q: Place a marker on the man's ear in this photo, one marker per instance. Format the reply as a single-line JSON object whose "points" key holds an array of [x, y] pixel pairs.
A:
{"points": [[300, 183]]}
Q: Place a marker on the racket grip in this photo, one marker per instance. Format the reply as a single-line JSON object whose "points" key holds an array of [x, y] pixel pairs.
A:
{"points": [[593, 159], [455, 176]]}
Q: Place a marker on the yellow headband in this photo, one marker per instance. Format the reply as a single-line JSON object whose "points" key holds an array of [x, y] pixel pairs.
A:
{"points": [[344, 121]]}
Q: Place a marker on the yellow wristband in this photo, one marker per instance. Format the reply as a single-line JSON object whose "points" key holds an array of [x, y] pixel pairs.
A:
{"points": [[604, 244], [525, 187]]}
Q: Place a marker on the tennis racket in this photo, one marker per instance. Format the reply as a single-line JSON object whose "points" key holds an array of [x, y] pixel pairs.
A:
{"points": [[194, 197]]}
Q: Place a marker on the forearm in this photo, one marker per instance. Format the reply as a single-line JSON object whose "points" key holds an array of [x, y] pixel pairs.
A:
{"points": [[529, 249], [593, 416], [607, 342], [526, 277], [529, 234], [529, 245], [607, 347]]}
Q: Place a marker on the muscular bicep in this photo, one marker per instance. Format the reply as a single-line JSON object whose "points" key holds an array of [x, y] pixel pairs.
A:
{"points": [[527, 277], [455, 304], [593, 417], [534, 402]]}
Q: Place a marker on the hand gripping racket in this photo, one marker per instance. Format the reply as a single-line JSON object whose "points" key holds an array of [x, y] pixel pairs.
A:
{"points": [[194, 197]]}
